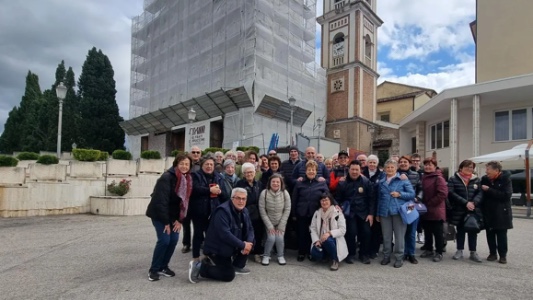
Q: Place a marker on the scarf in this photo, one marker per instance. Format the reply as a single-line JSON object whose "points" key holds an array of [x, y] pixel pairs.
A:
{"points": [[465, 177], [183, 190], [326, 218]]}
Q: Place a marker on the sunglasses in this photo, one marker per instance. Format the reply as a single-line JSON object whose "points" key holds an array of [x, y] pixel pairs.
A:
{"points": [[196, 152]]}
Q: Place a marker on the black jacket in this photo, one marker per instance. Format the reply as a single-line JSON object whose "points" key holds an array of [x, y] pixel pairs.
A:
{"points": [[496, 202], [306, 197], [299, 171], [459, 195], [286, 170], [201, 204], [360, 194], [165, 203], [228, 230], [415, 180], [252, 198]]}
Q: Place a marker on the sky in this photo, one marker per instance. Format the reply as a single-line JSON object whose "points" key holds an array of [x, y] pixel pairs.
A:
{"points": [[422, 43]]}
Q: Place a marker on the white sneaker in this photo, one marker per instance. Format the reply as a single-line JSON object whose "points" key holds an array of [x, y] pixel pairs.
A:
{"points": [[281, 260], [265, 261], [458, 255]]}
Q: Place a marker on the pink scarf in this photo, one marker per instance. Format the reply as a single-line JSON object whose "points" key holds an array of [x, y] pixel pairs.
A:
{"points": [[183, 190]]}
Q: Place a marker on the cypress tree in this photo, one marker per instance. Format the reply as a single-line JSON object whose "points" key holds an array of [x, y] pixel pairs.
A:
{"points": [[98, 107], [29, 112], [10, 139]]}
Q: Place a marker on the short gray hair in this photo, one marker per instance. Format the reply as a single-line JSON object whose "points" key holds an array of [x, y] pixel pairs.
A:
{"points": [[219, 153], [391, 162], [238, 190], [373, 157], [246, 166]]}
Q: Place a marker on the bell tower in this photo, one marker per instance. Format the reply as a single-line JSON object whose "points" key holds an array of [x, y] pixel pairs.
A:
{"points": [[349, 55]]}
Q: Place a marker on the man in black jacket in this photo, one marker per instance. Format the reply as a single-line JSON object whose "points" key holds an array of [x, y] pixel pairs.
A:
{"points": [[496, 190], [196, 154], [229, 240], [298, 174], [288, 166], [356, 192]]}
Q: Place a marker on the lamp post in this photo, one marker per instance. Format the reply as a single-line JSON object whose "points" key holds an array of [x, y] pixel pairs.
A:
{"points": [[191, 115], [61, 92], [319, 125], [292, 103]]}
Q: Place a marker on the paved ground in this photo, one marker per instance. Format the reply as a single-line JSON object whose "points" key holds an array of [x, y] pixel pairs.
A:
{"points": [[95, 257]]}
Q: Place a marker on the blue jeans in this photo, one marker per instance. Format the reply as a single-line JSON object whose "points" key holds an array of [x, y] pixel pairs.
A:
{"points": [[328, 249], [164, 248], [410, 238]]}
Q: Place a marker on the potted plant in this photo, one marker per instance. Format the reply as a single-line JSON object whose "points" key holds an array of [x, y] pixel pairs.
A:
{"points": [[48, 168], [121, 164], [151, 162], [86, 164], [120, 189], [9, 172]]}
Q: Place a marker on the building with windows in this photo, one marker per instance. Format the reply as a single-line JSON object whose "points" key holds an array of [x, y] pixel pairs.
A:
{"points": [[220, 73], [496, 113], [349, 55]]}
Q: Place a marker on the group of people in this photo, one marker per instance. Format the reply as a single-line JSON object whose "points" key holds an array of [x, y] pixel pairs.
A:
{"points": [[243, 206]]}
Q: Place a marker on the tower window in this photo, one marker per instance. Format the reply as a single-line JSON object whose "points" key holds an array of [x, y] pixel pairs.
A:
{"points": [[368, 49]]}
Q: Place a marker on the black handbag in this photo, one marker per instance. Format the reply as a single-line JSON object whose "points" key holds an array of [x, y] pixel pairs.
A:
{"points": [[471, 223]]}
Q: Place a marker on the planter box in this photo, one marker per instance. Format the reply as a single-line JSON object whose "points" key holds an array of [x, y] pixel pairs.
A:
{"points": [[121, 167], [151, 166], [40, 172], [86, 169], [168, 162], [119, 206], [12, 175]]}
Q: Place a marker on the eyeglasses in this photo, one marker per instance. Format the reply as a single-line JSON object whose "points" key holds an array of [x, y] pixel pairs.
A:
{"points": [[415, 160], [239, 198], [196, 152], [271, 154]]}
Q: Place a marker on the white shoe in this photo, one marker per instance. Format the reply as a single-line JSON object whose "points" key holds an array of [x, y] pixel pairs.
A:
{"points": [[265, 261], [281, 260]]}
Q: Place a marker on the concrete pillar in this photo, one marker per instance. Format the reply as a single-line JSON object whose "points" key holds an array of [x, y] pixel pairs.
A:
{"points": [[421, 138], [475, 125], [453, 136]]}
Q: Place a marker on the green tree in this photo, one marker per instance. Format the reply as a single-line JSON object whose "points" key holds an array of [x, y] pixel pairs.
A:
{"points": [[29, 130], [98, 107], [10, 139]]}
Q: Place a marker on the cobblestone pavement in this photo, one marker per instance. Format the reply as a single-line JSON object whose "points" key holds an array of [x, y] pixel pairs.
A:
{"points": [[96, 257]]}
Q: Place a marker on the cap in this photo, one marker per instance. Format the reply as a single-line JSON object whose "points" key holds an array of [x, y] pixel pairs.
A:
{"points": [[343, 152]]}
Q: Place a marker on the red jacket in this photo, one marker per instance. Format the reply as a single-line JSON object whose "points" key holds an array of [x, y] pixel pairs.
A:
{"points": [[435, 192]]}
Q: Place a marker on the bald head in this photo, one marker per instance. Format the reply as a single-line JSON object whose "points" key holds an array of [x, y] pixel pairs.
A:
{"points": [[310, 153], [362, 159]]}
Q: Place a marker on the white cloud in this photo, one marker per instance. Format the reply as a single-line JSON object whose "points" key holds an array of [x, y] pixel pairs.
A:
{"points": [[445, 77], [417, 28]]}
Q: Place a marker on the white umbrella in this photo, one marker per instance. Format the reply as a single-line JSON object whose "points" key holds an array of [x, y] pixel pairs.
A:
{"points": [[517, 153]]}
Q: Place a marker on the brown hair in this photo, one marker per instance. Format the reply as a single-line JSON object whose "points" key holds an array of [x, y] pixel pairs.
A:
{"points": [[496, 165], [274, 158], [406, 158], [249, 153], [430, 160], [466, 163], [181, 157], [276, 175]]}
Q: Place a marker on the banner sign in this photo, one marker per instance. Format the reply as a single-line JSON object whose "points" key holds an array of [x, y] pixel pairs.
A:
{"points": [[198, 134]]}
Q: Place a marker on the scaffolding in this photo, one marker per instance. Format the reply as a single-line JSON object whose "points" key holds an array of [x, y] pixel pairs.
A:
{"points": [[185, 49]]}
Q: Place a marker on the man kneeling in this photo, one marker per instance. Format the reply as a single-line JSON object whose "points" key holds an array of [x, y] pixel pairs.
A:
{"points": [[228, 241]]}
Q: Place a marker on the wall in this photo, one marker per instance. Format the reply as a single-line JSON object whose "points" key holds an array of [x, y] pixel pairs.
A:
{"points": [[397, 109], [504, 40]]}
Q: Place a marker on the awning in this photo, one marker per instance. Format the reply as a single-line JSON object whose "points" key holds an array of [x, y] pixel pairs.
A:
{"points": [[210, 105], [274, 108]]}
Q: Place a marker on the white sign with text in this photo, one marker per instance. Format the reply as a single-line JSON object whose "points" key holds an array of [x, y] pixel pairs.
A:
{"points": [[198, 134]]}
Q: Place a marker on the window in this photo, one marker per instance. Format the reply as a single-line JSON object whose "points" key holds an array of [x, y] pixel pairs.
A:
{"points": [[384, 117], [413, 145], [440, 135], [368, 49], [511, 125]]}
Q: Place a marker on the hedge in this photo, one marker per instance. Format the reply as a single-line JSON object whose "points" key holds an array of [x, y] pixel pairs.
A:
{"points": [[151, 154], [103, 156], [28, 156], [121, 154], [86, 154], [8, 161], [175, 153], [48, 160], [246, 148]]}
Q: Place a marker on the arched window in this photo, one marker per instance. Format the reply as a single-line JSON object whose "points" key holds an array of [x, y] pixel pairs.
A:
{"points": [[338, 49], [339, 37], [368, 47]]}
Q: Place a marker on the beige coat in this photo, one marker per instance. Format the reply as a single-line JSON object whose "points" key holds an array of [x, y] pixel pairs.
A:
{"points": [[337, 229], [275, 209]]}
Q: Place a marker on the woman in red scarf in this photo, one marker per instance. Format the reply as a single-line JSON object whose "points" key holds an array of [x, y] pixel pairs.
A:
{"points": [[167, 209], [464, 194]]}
